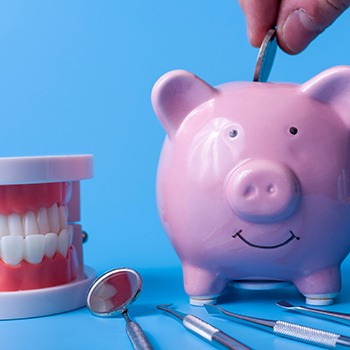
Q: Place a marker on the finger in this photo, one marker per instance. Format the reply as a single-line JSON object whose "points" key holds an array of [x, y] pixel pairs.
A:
{"points": [[261, 15], [300, 21]]}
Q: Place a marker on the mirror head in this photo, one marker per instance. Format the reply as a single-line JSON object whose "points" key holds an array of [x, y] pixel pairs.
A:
{"points": [[113, 292]]}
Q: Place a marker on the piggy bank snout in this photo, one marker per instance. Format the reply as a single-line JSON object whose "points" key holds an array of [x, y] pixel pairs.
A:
{"points": [[263, 191]]}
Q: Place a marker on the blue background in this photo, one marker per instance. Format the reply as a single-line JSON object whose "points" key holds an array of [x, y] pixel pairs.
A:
{"points": [[76, 77]]}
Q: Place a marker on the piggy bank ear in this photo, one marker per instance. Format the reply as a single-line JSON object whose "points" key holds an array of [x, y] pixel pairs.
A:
{"points": [[332, 86], [175, 95]]}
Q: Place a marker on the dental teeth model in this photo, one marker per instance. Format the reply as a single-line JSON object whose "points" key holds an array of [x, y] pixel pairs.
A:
{"points": [[40, 237]]}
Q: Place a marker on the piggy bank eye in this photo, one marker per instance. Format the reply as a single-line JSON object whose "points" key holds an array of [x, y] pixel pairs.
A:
{"points": [[233, 133], [293, 130]]}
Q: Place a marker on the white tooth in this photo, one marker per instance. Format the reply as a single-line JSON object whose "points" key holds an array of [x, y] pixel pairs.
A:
{"points": [[12, 249], [63, 242], [103, 305], [29, 224], [62, 217], [50, 244], [34, 248], [53, 219], [107, 291], [15, 225], [43, 220], [4, 228]]}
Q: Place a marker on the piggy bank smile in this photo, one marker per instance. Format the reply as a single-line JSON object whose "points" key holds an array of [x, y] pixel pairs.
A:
{"points": [[239, 234]]}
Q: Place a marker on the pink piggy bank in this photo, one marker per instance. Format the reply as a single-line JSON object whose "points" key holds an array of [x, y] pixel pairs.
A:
{"points": [[254, 181]]}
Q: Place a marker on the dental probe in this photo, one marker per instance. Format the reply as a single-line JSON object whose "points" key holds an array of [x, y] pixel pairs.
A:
{"points": [[205, 330], [289, 330], [329, 315]]}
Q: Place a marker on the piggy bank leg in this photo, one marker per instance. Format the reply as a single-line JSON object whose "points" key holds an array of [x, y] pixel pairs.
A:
{"points": [[321, 287], [202, 286]]}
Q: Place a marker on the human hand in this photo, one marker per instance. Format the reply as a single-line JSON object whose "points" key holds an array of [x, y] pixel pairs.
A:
{"points": [[298, 21]]}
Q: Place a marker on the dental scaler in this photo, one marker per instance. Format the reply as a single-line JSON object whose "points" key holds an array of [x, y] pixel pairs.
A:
{"points": [[205, 330], [288, 330]]}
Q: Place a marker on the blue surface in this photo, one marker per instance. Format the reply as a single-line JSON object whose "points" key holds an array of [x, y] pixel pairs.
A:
{"points": [[80, 330], [76, 77]]}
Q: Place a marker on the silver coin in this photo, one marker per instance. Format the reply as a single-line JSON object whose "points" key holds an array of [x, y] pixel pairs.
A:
{"points": [[266, 57]]}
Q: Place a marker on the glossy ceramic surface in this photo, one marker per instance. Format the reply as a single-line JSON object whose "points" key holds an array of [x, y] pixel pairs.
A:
{"points": [[253, 181]]}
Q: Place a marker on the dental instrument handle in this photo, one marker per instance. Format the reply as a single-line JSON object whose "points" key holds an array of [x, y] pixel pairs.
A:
{"points": [[137, 337], [211, 334], [311, 335]]}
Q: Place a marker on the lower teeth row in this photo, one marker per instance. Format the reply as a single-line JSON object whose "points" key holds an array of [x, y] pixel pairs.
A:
{"points": [[33, 248]]}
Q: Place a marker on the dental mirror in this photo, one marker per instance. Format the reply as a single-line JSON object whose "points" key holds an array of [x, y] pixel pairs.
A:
{"points": [[111, 294]]}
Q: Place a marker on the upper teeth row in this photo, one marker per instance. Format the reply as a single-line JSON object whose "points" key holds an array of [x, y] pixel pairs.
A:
{"points": [[45, 220]]}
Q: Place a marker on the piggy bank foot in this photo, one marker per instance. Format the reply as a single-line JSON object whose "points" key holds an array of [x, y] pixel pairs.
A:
{"points": [[320, 299], [202, 286], [321, 287]]}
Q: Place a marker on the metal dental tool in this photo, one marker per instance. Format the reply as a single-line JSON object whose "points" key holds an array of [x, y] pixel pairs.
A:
{"points": [[205, 330], [329, 315], [111, 294], [289, 330]]}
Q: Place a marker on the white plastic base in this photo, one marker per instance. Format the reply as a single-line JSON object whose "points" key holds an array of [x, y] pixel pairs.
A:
{"points": [[200, 301], [46, 301], [320, 299]]}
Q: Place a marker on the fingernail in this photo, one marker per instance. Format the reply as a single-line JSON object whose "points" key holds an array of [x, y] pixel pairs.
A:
{"points": [[299, 30]]}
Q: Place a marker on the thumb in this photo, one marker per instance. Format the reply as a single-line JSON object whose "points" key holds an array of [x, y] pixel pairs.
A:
{"points": [[299, 22]]}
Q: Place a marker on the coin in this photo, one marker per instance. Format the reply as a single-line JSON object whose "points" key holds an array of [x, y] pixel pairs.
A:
{"points": [[266, 57]]}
